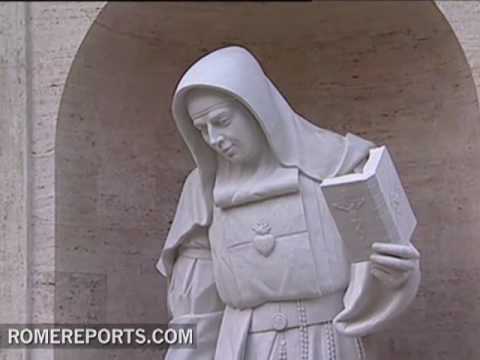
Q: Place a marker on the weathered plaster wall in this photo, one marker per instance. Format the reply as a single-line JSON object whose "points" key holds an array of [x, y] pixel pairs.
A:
{"points": [[38, 42]]}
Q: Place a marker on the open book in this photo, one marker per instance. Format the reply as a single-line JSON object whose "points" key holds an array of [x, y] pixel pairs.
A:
{"points": [[370, 206]]}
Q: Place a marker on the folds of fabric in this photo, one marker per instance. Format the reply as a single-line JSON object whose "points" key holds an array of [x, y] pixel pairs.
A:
{"points": [[193, 300], [233, 336], [190, 221], [206, 334], [370, 304], [193, 213], [319, 341]]}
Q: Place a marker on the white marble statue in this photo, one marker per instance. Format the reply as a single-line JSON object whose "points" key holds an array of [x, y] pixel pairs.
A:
{"points": [[254, 257]]}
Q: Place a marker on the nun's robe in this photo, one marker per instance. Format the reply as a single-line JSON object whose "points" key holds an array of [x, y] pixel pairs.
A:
{"points": [[246, 305]]}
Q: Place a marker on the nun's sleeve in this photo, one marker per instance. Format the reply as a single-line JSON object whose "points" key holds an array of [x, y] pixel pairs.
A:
{"points": [[355, 154], [370, 304], [186, 262], [193, 299]]}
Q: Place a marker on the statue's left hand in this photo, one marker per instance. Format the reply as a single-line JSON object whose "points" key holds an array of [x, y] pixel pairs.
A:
{"points": [[393, 264]]}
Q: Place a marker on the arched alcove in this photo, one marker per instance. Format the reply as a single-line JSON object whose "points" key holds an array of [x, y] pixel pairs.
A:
{"points": [[392, 72]]}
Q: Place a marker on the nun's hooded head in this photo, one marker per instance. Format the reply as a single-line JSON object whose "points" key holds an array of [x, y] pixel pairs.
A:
{"points": [[234, 71], [295, 142]]}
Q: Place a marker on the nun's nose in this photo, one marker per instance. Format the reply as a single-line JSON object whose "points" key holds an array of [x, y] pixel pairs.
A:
{"points": [[217, 141], [214, 138]]}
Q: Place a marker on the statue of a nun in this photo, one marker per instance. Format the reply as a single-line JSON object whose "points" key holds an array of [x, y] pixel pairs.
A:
{"points": [[253, 256]]}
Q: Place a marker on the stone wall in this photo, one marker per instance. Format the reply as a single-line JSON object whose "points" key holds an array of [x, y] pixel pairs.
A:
{"points": [[119, 172], [463, 17], [38, 42], [14, 174]]}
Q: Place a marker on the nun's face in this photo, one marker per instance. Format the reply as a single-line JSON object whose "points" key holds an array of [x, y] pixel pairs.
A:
{"points": [[226, 126]]}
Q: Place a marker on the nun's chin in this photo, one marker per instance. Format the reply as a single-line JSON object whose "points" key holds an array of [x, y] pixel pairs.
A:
{"points": [[235, 157]]}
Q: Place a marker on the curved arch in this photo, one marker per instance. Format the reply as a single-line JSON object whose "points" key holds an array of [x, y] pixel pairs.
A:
{"points": [[462, 18], [391, 72]]}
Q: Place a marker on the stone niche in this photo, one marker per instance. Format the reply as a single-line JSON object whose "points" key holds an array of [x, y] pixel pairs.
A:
{"points": [[392, 72]]}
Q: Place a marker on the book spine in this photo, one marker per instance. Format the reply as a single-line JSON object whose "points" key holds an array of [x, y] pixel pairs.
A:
{"points": [[383, 210]]}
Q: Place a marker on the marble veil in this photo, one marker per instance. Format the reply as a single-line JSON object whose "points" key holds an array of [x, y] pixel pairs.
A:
{"points": [[296, 142]]}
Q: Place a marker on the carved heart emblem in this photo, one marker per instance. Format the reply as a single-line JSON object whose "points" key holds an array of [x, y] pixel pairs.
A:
{"points": [[263, 241], [264, 244]]}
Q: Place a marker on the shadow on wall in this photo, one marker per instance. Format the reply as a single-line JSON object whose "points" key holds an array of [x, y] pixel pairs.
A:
{"points": [[390, 72]]}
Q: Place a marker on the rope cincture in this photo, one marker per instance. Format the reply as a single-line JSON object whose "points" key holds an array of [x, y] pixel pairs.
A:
{"points": [[283, 348], [302, 320], [331, 346]]}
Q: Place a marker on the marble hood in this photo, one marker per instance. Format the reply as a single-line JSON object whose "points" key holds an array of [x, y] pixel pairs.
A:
{"points": [[296, 142]]}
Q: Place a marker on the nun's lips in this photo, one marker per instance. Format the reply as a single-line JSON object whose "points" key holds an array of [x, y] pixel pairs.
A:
{"points": [[228, 150]]}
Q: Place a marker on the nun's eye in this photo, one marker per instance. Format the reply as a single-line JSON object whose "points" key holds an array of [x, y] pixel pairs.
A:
{"points": [[221, 120]]}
